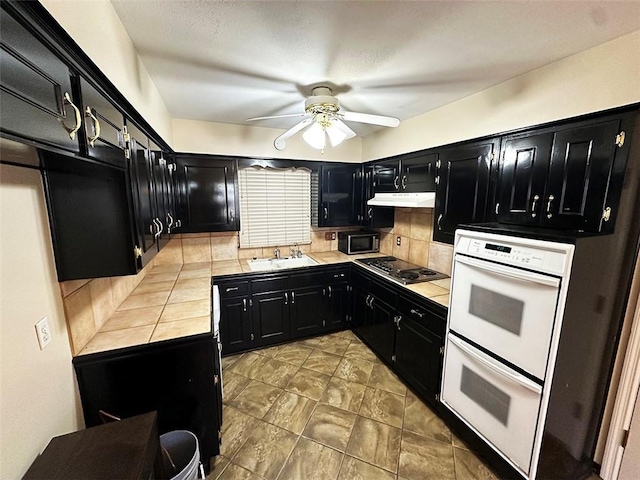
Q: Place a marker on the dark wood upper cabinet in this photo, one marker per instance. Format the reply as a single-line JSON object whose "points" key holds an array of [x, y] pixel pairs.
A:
{"points": [[579, 171], [462, 187], [103, 126], [91, 220], [37, 99], [418, 173], [208, 194], [144, 195], [524, 166], [564, 178], [386, 176], [336, 191], [374, 217]]}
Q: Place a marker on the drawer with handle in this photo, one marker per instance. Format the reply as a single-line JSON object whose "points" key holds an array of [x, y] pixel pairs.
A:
{"points": [[421, 314], [234, 289]]}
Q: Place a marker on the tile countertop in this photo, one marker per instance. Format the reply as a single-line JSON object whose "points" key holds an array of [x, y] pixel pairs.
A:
{"points": [[174, 301]]}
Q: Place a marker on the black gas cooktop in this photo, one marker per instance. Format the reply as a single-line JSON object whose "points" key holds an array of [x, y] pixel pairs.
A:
{"points": [[401, 271]]}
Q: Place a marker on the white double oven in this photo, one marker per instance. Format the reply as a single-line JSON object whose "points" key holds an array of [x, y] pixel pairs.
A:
{"points": [[505, 316]]}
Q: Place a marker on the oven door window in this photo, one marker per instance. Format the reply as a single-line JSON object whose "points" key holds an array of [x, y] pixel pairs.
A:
{"points": [[510, 312], [495, 400], [361, 243]]}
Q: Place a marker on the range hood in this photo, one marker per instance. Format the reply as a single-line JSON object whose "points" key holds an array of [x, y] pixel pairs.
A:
{"points": [[414, 200]]}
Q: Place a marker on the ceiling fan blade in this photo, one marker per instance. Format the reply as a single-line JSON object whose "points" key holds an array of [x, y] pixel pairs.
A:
{"points": [[280, 142], [290, 115], [344, 128], [369, 118]]}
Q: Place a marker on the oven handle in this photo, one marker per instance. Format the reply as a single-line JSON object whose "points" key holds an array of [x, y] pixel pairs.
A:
{"points": [[509, 272], [496, 366]]}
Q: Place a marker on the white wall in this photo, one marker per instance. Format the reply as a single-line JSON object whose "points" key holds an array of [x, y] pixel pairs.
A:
{"points": [[196, 136], [38, 397], [603, 77], [95, 26]]}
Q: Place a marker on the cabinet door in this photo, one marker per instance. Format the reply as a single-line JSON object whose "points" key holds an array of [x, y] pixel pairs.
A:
{"points": [[208, 189], [235, 324], [579, 173], [336, 198], [307, 310], [381, 328], [163, 191], [91, 221], [142, 177], [36, 98], [338, 305], [358, 201], [374, 217], [522, 179], [419, 173], [463, 187], [175, 380], [270, 318], [418, 358], [386, 177], [360, 309], [103, 124]]}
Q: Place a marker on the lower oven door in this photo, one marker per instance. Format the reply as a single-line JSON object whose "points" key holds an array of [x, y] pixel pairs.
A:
{"points": [[509, 311], [500, 404]]}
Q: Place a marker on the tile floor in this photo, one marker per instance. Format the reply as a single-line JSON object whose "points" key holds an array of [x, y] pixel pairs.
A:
{"points": [[327, 408]]}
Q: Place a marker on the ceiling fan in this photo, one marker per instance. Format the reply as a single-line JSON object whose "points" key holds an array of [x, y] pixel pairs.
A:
{"points": [[323, 117]]}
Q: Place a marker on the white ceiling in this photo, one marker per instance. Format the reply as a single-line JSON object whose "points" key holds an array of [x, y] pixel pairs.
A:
{"points": [[226, 60]]}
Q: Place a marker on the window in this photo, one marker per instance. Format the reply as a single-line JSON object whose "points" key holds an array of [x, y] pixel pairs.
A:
{"points": [[275, 206]]}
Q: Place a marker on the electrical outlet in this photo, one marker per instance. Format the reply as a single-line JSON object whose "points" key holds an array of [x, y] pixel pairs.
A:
{"points": [[43, 332], [329, 235], [398, 241]]}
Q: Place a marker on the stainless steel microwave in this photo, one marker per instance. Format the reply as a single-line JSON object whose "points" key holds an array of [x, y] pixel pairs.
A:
{"points": [[358, 242]]}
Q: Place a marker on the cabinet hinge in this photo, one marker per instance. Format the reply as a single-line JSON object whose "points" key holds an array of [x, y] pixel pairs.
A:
{"points": [[620, 139], [162, 162], [437, 180], [127, 153], [492, 156], [393, 358], [216, 380], [137, 252], [171, 167], [252, 337], [324, 323], [606, 214], [126, 136], [441, 350], [437, 397], [438, 164]]}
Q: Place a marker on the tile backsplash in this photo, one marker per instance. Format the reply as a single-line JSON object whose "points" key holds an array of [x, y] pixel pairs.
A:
{"points": [[414, 227]]}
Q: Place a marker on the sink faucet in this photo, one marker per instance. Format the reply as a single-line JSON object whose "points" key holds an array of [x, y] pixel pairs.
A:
{"points": [[295, 252], [276, 252]]}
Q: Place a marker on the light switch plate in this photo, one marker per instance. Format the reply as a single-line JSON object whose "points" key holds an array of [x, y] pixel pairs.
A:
{"points": [[43, 332]]}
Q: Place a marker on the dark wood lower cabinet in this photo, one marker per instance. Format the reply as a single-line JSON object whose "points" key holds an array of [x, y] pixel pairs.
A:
{"points": [[177, 378], [235, 324], [418, 358], [306, 310], [270, 318]]}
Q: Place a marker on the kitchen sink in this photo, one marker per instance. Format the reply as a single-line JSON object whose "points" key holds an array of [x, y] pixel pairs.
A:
{"points": [[267, 264]]}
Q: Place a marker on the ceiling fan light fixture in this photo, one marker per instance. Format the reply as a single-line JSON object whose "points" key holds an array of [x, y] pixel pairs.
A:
{"points": [[315, 136], [336, 136]]}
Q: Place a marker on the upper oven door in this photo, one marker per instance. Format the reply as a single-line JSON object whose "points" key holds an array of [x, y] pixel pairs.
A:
{"points": [[509, 311]]}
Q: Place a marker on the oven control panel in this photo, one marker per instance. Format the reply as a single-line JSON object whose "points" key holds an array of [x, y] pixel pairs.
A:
{"points": [[537, 255], [514, 254]]}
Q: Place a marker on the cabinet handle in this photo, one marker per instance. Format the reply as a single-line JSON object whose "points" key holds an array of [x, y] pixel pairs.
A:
{"points": [[498, 208], [395, 183], [96, 127], [370, 212], [157, 234], [329, 288], [417, 312], [404, 182], [160, 225], [231, 289], [293, 297], [72, 131], [437, 180], [551, 199], [244, 304], [325, 213], [398, 320], [169, 220], [286, 298], [251, 302], [440, 222], [533, 205]]}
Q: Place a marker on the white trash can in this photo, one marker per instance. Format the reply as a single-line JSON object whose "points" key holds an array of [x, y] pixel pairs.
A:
{"points": [[180, 455]]}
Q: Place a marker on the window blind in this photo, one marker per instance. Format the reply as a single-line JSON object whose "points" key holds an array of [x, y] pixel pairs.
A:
{"points": [[275, 206]]}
